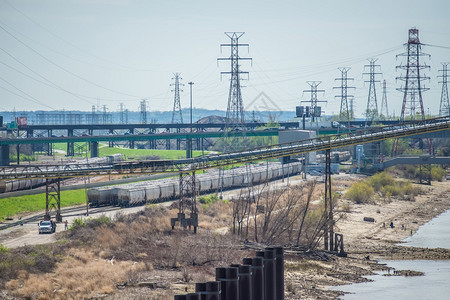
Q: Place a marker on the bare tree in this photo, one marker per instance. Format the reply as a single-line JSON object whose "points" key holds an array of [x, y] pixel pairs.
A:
{"points": [[311, 186], [280, 216], [241, 211]]}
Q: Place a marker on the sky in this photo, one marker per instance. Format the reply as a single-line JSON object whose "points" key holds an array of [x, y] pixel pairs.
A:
{"points": [[74, 54]]}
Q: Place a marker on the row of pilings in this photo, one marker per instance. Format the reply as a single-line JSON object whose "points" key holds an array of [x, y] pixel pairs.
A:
{"points": [[257, 278]]}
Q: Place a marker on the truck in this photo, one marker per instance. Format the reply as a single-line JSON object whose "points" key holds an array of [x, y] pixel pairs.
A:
{"points": [[47, 226]]}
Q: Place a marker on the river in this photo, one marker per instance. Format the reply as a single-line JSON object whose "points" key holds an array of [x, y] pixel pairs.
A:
{"points": [[434, 285]]}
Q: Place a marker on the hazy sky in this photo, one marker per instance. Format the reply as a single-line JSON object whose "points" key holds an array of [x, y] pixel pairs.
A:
{"points": [[73, 54]]}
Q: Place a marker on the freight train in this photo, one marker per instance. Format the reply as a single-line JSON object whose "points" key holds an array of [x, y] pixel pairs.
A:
{"points": [[23, 184], [167, 189]]}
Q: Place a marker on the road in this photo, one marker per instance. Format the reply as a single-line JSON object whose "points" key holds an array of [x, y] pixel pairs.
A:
{"points": [[27, 234]]}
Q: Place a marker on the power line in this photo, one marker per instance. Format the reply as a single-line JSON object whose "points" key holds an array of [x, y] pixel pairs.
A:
{"points": [[64, 69], [49, 84], [71, 44], [31, 98]]}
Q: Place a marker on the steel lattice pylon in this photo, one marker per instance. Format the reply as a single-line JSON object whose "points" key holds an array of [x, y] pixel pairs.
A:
{"points": [[235, 109], [384, 111], [372, 106], [412, 107], [344, 114], [188, 199], [143, 111], [315, 110], [177, 116], [53, 199], [444, 107]]}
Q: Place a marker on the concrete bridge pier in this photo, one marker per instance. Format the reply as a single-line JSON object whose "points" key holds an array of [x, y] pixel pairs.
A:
{"points": [[4, 155], [94, 149]]}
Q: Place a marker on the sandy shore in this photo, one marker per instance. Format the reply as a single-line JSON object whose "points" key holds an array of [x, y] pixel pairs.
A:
{"points": [[308, 275]]}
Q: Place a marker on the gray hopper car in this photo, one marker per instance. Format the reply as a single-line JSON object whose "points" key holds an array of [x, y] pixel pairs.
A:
{"points": [[168, 189]]}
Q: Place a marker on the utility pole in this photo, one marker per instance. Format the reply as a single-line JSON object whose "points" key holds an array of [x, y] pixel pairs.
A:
{"points": [[384, 111], [372, 106], [315, 110], [344, 113], [444, 107], [143, 113], [177, 116], [412, 107], [235, 109]]}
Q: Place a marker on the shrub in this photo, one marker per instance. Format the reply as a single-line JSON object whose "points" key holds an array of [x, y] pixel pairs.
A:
{"points": [[208, 199], [379, 180], [96, 222], [438, 173], [77, 223], [360, 192], [90, 222], [3, 248], [404, 189], [35, 259]]}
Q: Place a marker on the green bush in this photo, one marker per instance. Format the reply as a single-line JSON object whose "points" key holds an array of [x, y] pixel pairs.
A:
{"points": [[208, 199], [400, 188], [77, 223], [3, 248], [360, 192], [437, 173], [380, 180], [90, 222], [390, 190]]}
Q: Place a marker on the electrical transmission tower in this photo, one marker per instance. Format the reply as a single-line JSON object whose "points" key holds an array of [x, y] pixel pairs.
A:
{"points": [[177, 116], [444, 107], [384, 111], [121, 113], [143, 111], [315, 110], [344, 114], [372, 106], [412, 107], [235, 109]]}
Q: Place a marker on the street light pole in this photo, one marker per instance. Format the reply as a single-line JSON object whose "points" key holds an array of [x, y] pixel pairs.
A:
{"points": [[189, 147]]}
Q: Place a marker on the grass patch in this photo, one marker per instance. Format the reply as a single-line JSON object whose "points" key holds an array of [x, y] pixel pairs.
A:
{"points": [[147, 153], [208, 199], [30, 203]]}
